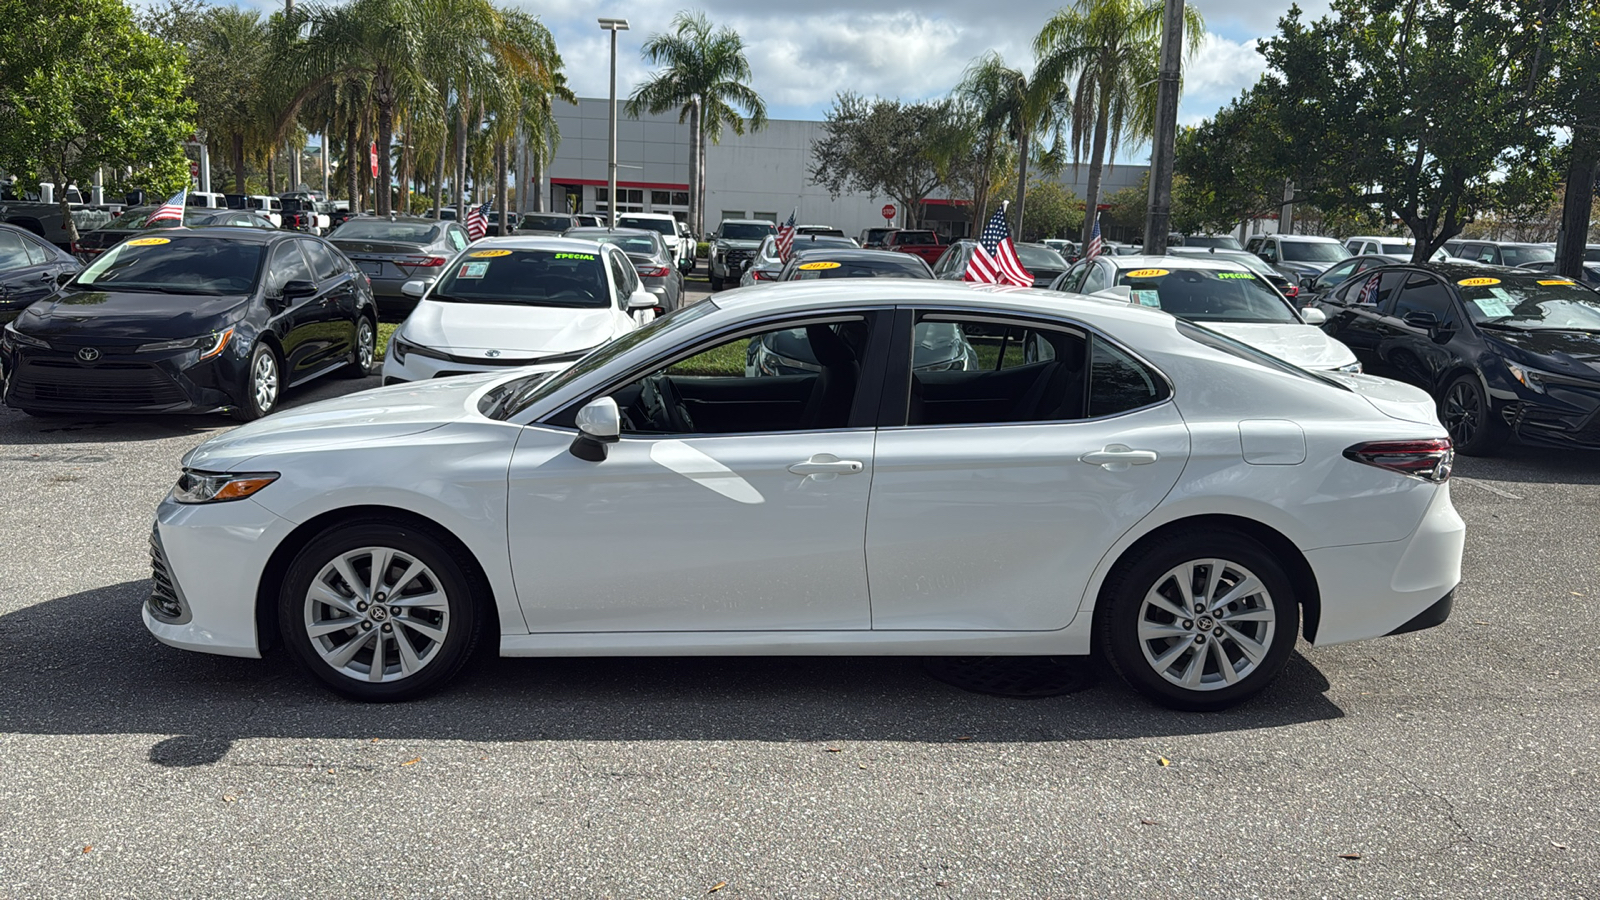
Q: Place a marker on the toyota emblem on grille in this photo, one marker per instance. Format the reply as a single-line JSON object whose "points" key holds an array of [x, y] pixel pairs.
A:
{"points": [[492, 354], [88, 354]]}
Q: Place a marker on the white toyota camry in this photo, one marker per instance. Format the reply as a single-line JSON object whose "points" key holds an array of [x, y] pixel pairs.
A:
{"points": [[1108, 476], [517, 301]]}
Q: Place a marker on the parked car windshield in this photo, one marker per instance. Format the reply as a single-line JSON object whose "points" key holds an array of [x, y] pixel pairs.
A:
{"points": [[635, 244], [1040, 257], [1531, 303], [384, 230], [1220, 241], [745, 231], [1517, 256], [915, 237], [526, 278], [667, 227], [538, 222], [180, 264], [1312, 251], [1208, 295], [812, 267]]}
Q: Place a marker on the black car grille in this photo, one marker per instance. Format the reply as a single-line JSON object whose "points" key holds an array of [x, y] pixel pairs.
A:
{"points": [[66, 382], [165, 602]]}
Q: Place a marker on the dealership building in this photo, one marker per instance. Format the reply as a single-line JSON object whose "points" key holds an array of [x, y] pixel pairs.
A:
{"points": [[762, 175]]}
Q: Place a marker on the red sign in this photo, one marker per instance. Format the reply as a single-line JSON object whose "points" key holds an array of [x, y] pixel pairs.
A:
{"points": [[888, 210], [372, 154], [194, 168]]}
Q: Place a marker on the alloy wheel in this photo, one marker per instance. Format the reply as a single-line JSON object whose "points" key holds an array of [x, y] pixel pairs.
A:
{"points": [[264, 381], [377, 614], [1462, 412], [1206, 624], [366, 343]]}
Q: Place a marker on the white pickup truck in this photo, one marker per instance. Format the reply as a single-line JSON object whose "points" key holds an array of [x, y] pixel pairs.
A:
{"points": [[681, 245]]}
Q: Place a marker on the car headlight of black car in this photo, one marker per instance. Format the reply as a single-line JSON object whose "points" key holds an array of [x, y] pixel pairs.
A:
{"points": [[1537, 380], [10, 337], [209, 345]]}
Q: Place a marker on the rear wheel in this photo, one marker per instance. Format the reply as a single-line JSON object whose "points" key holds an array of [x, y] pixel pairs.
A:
{"points": [[363, 350], [1465, 412], [263, 380], [1200, 621], [716, 283]]}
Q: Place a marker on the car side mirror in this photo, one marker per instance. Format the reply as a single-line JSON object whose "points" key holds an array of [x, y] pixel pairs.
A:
{"points": [[1308, 281], [1313, 316], [63, 277], [1422, 319], [642, 299], [414, 288], [298, 290], [599, 425], [1120, 293]]}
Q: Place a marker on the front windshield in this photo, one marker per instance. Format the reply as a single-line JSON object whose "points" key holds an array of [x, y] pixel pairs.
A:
{"points": [[1313, 251], [134, 218], [537, 222], [181, 264], [747, 231], [569, 279], [1208, 295], [668, 227], [1220, 241], [633, 244], [514, 396], [1518, 256], [811, 269], [1531, 303], [1398, 250], [1040, 257], [384, 230]]}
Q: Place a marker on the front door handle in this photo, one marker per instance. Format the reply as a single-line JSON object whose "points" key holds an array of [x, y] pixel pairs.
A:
{"points": [[826, 464], [1118, 457]]}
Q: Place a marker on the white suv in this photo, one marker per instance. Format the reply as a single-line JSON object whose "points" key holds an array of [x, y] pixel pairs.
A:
{"points": [[667, 226]]}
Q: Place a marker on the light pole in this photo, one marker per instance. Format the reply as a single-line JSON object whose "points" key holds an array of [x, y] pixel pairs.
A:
{"points": [[1158, 220], [613, 26]]}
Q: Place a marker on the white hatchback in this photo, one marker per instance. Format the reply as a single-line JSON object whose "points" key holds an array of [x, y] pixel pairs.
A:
{"points": [[517, 301], [1110, 477]]}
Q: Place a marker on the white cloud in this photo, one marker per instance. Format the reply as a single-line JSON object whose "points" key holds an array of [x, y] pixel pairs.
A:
{"points": [[1219, 71]]}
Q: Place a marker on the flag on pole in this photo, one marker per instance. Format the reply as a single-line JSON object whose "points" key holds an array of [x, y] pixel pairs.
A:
{"points": [[1096, 246], [994, 260], [170, 211], [786, 236], [478, 221]]}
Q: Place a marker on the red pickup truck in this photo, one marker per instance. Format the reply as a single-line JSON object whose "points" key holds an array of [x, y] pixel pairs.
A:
{"points": [[920, 243]]}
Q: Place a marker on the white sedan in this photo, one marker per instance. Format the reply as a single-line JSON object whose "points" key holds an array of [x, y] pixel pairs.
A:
{"points": [[535, 302], [1109, 476]]}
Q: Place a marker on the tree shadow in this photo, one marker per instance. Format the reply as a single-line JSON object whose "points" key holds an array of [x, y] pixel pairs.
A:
{"points": [[84, 664]]}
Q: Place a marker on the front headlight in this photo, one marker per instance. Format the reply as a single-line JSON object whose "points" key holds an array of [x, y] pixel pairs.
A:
{"points": [[1351, 369], [1532, 379], [14, 338], [219, 487], [404, 348], [209, 346]]}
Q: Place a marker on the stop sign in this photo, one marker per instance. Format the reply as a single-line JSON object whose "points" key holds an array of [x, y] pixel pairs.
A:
{"points": [[372, 156], [194, 168], [888, 210]]}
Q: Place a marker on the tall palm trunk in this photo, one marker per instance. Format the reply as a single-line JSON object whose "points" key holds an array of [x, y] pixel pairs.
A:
{"points": [[1022, 180], [459, 186], [352, 165], [407, 160], [697, 173], [501, 157], [238, 162], [272, 172], [438, 174], [1097, 158]]}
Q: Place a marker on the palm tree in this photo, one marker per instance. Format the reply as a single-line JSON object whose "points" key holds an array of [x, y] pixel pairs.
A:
{"points": [[705, 78], [1012, 106], [1106, 54]]}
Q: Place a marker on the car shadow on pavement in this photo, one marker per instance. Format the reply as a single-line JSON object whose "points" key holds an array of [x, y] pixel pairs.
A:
{"points": [[1533, 465], [84, 664]]}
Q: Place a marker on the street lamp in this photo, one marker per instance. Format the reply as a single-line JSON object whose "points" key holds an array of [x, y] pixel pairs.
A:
{"points": [[613, 26]]}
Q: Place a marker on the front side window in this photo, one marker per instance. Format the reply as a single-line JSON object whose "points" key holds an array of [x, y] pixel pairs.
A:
{"points": [[1423, 293], [288, 264], [621, 277]]}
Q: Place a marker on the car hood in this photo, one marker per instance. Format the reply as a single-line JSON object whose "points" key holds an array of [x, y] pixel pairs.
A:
{"points": [[1306, 346], [127, 316], [1297, 269], [472, 329], [375, 415], [1574, 351]]}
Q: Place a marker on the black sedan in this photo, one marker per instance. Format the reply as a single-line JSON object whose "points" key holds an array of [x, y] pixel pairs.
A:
{"points": [[192, 321], [30, 267], [844, 262], [651, 258], [396, 250], [1505, 352]]}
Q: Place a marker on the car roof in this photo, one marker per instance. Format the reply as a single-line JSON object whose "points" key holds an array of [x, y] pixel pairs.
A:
{"points": [[840, 251], [1185, 261], [1308, 238], [1454, 269], [649, 215], [747, 222], [535, 242]]}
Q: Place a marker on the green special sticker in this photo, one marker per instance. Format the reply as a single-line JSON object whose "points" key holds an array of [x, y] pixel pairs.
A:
{"points": [[1241, 276], [585, 256]]}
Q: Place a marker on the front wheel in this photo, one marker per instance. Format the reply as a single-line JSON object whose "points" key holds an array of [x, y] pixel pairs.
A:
{"points": [[1200, 621], [716, 283], [379, 611], [262, 382], [1465, 412]]}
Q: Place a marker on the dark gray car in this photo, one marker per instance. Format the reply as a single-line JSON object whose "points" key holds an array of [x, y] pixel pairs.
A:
{"points": [[547, 223], [653, 260], [393, 251]]}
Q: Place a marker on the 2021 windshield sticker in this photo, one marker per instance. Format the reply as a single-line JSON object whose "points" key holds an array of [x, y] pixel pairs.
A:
{"points": [[817, 266], [489, 254], [149, 242], [1149, 273]]}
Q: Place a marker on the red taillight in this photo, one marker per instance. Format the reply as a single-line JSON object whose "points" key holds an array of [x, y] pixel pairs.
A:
{"points": [[1430, 460], [759, 275], [1292, 291], [424, 262], [654, 271]]}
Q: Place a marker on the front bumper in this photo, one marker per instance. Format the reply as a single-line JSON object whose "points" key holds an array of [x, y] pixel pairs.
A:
{"points": [[1566, 416], [208, 560], [422, 368], [119, 381]]}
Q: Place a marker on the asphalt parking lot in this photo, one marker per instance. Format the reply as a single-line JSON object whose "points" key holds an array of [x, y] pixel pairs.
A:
{"points": [[1455, 762]]}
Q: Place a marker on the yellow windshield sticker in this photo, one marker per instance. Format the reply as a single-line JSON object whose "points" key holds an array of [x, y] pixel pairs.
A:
{"points": [[149, 242], [1239, 275], [818, 266], [1562, 282], [1148, 273], [588, 256], [488, 254], [1478, 282]]}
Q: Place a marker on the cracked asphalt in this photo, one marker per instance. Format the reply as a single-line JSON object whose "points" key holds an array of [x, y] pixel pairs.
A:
{"points": [[1456, 762]]}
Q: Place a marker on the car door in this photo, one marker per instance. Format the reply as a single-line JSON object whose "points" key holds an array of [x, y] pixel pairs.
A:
{"points": [[305, 325], [27, 271], [1356, 315], [997, 491], [735, 500], [1414, 353], [338, 290]]}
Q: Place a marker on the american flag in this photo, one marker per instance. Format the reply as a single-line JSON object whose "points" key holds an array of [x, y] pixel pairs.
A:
{"points": [[172, 210], [1096, 246], [786, 236], [994, 260], [478, 221]]}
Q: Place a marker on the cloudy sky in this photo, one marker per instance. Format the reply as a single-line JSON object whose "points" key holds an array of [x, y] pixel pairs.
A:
{"points": [[803, 53]]}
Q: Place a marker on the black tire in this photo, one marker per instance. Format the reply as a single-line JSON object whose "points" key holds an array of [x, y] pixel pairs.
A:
{"points": [[1195, 640], [362, 358], [253, 405], [716, 283], [1465, 412], [445, 570]]}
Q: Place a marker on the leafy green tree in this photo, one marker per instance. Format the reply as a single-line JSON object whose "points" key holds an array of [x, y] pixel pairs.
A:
{"points": [[882, 147], [1566, 67], [705, 76], [83, 89], [1106, 54], [1012, 106], [1234, 164], [1053, 211], [1414, 109]]}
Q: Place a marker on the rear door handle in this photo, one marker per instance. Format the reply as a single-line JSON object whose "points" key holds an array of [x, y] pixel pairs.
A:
{"points": [[826, 464], [1118, 457]]}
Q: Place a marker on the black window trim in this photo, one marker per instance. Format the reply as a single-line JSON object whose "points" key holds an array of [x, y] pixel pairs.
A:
{"points": [[895, 406]]}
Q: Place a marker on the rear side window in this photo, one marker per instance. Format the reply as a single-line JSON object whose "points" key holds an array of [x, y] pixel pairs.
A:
{"points": [[1118, 382], [323, 261]]}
